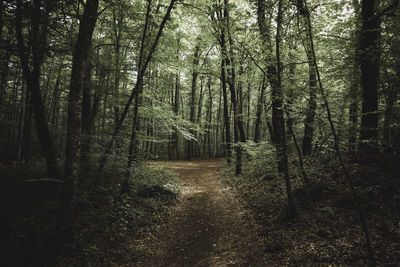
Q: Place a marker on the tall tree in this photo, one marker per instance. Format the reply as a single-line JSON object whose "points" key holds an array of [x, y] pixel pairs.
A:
{"points": [[369, 55], [238, 128], [312, 100], [274, 69], [132, 142], [260, 106], [31, 60], [192, 105], [219, 19], [72, 152]]}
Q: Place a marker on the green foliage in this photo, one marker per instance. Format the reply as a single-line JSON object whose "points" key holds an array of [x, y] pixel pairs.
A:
{"points": [[142, 176], [261, 161], [112, 219]]}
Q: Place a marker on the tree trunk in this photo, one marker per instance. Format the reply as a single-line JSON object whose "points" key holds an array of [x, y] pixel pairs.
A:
{"points": [[355, 85], [312, 103], [278, 121], [176, 111], [209, 117], [32, 77], [311, 109], [132, 142], [192, 105], [175, 107], [72, 152], [369, 64], [260, 106], [90, 104], [238, 129]]}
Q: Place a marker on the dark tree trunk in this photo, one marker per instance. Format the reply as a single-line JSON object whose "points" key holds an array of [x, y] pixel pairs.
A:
{"points": [[355, 86], [312, 103], [74, 120], [90, 106], [176, 111], [238, 129], [228, 144], [311, 109], [369, 64], [192, 105], [27, 129], [200, 137], [175, 101], [209, 117], [260, 106], [32, 76], [278, 121]]}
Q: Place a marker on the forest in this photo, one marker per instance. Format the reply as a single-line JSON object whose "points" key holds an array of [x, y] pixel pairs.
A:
{"points": [[199, 132]]}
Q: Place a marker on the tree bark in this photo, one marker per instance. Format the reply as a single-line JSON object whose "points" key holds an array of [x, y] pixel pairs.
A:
{"points": [[311, 110], [278, 121], [192, 105], [74, 120], [369, 64], [260, 106], [238, 129]]}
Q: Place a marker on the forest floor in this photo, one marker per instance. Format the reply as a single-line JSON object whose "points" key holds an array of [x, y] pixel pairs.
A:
{"points": [[207, 227], [223, 220], [198, 213]]}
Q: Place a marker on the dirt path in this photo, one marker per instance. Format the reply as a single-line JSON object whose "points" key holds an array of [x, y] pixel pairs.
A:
{"points": [[208, 227]]}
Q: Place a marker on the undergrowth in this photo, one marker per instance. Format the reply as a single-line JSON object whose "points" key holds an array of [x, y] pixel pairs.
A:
{"points": [[327, 231], [106, 220]]}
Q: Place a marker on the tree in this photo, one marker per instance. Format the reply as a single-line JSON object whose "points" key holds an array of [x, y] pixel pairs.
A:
{"points": [[135, 91], [369, 64], [72, 152], [35, 53], [274, 77], [195, 73]]}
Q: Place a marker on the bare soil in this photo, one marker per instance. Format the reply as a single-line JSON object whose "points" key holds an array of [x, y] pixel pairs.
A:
{"points": [[207, 227]]}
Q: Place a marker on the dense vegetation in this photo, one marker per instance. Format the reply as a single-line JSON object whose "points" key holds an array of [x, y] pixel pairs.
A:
{"points": [[296, 95]]}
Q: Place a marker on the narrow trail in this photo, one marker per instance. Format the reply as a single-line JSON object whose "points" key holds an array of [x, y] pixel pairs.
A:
{"points": [[208, 227]]}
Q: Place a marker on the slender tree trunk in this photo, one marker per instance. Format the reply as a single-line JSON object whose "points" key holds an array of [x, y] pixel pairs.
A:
{"points": [[27, 128], [355, 85], [209, 117], [175, 107], [200, 137], [228, 144], [132, 142], [353, 120], [248, 109], [217, 127], [260, 106], [192, 105], [238, 129], [176, 111], [312, 103], [391, 98]]}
